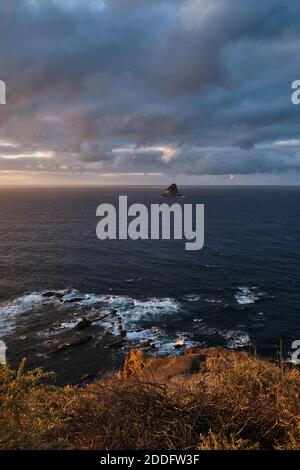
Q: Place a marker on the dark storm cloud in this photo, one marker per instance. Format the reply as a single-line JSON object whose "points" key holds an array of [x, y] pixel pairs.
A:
{"points": [[95, 151], [170, 86]]}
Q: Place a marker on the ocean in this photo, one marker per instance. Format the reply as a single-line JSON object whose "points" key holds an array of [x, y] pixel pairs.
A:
{"points": [[241, 291]]}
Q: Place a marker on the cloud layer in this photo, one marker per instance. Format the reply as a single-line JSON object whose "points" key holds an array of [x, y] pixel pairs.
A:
{"points": [[190, 87]]}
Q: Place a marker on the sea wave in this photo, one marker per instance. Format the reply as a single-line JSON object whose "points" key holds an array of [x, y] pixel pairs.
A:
{"points": [[236, 339], [192, 298], [115, 314], [134, 319], [248, 295], [10, 310]]}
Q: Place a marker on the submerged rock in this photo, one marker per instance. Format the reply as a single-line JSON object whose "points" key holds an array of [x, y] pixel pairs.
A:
{"points": [[117, 343], [83, 323], [172, 191], [53, 293], [73, 300], [72, 344], [111, 341]]}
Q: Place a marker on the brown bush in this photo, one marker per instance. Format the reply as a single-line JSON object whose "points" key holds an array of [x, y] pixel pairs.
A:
{"points": [[241, 403], [29, 414]]}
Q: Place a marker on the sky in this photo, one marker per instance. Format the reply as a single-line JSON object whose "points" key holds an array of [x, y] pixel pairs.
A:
{"points": [[149, 92]]}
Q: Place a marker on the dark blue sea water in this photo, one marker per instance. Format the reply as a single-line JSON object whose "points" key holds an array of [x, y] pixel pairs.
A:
{"points": [[240, 291]]}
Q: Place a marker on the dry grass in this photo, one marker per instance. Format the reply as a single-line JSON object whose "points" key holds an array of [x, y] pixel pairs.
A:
{"points": [[247, 403], [29, 413]]}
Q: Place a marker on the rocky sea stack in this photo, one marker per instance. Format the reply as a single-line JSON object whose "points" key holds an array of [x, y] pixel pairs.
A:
{"points": [[172, 191]]}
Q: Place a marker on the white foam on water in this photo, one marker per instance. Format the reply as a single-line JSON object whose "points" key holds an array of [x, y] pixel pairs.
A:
{"points": [[20, 304], [156, 304], [129, 312], [204, 329], [9, 311], [112, 325], [247, 295], [69, 325], [110, 301], [126, 315], [146, 309], [70, 295], [168, 347], [120, 313], [136, 336], [162, 343], [236, 339], [48, 333], [213, 301], [192, 298]]}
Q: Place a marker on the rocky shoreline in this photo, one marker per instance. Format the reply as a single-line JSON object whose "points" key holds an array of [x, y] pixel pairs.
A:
{"points": [[77, 334]]}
